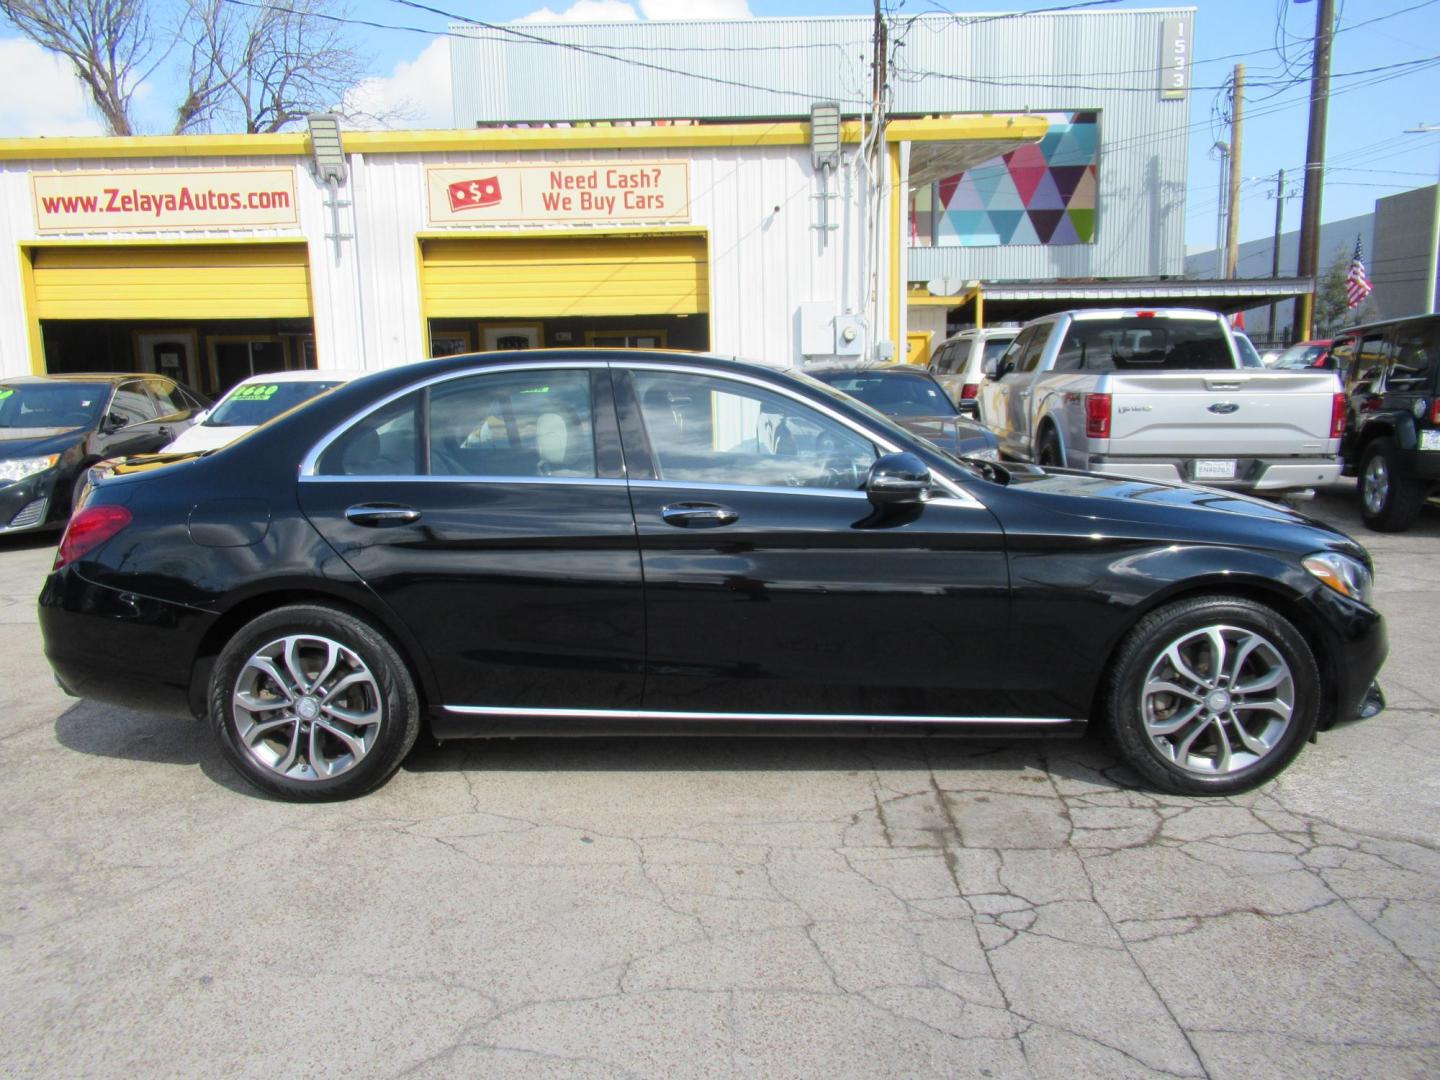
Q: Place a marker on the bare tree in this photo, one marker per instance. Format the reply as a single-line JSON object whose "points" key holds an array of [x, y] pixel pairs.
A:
{"points": [[110, 44], [260, 68]]}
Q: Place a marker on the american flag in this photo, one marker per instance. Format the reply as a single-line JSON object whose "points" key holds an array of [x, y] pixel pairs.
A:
{"points": [[1357, 282]]}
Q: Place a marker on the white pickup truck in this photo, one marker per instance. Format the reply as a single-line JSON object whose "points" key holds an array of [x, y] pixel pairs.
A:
{"points": [[1160, 395]]}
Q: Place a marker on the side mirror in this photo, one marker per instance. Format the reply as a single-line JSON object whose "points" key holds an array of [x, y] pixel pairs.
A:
{"points": [[1000, 370], [968, 407], [113, 422], [898, 480], [199, 417]]}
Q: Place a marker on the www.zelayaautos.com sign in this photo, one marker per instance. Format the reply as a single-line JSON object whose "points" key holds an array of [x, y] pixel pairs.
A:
{"points": [[153, 199]]}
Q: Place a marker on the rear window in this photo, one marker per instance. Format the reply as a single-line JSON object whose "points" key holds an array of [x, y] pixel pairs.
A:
{"points": [[1135, 344]]}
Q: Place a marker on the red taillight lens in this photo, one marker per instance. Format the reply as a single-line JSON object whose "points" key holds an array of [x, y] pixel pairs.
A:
{"points": [[1435, 411], [1337, 416], [1097, 416], [969, 390], [89, 529]]}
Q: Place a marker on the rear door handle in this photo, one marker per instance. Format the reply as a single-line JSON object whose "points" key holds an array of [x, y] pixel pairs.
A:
{"points": [[698, 515], [380, 515]]}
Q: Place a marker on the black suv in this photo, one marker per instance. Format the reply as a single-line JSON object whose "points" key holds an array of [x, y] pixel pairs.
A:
{"points": [[1392, 441], [52, 427]]}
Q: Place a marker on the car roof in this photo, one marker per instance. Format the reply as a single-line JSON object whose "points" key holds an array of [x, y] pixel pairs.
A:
{"points": [[864, 369], [982, 332], [1197, 314], [303, 375], [1383, 324]]}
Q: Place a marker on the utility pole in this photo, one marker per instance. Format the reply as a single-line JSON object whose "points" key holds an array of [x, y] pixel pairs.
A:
{"points": [[1237, 133], [1434, 260], [1275, 254], [1314, 166], [880, 177], [1221, 151]]}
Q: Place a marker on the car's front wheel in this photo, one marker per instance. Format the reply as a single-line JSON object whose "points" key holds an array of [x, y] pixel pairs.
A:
{"points": [[1212, 695], [312, 703]]}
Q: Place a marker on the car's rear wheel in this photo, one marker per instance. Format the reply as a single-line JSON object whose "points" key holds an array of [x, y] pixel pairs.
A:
{"points": [[1389, 502], [312, 703], [1212, 696], [1050, 453]]}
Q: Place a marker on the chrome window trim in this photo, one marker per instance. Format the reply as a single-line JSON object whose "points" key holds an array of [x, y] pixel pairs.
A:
{"points": [[660, 714], [769, 489], [402, 478], [956, 492], [307, 464]]}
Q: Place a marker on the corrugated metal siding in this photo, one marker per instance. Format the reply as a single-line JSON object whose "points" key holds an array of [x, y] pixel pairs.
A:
{"points": [[1037, 63]]}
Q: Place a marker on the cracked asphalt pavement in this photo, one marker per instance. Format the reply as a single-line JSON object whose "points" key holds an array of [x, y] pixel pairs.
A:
{"points": [[726, 907]]}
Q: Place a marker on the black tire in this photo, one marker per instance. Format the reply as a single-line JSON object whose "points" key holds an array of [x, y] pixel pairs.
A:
{"points": [[1049, 454], [1389, 502], [381, 687], [1127, 707]]}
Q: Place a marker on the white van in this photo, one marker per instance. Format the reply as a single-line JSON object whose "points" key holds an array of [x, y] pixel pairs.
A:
{"points": [[959, 363]]}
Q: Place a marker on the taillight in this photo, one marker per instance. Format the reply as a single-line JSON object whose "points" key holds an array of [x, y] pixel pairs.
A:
{"points": [[1097, 416], [969, 390], [1337, 416], [89, 529], [1435, 411]]}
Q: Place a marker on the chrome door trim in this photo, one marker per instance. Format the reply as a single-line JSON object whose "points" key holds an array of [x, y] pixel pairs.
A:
{"points": [[654, 714], [406, 478], [771, 489]]}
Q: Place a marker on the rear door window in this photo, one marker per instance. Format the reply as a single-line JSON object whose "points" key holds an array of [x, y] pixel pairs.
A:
{"points": [[1129, 343], [521, 423], [1416, 348], [1035, 347], [132, 404]]}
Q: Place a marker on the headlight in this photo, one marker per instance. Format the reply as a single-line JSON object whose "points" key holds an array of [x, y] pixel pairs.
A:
{"points": [[17, 469], [1347, 576], [987, 453]]}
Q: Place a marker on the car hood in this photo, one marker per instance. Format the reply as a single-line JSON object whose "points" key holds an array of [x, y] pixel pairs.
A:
{"points": [[35, 442], [199, 437], [1203, 512]]}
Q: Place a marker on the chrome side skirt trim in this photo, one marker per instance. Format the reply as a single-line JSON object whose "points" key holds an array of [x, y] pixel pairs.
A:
{"points": [[858, 718]]}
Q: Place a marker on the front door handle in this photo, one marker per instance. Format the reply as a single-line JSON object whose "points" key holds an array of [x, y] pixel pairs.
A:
{"points": [[380, 515], [698, 515]]}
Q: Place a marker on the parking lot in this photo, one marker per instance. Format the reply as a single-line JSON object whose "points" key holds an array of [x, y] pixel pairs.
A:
{"points": [[701, 907]]}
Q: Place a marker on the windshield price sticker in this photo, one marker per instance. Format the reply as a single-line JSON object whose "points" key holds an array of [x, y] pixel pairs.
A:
{"points": [[256, 393], [5, 393]]}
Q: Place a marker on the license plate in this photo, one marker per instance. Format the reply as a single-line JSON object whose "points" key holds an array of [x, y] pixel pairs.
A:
{"points": [[1215, 470], [1430, 440]]}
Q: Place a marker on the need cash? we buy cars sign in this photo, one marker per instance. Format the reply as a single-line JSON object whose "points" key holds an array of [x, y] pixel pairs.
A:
{"points": [[162, 199], [581, 192]]}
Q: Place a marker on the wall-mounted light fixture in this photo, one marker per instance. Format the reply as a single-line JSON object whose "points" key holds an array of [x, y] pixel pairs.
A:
{"points": [[825, 134], [327, 153]]}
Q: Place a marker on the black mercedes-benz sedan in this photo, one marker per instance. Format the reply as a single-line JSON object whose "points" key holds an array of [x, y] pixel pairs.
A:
{"points": [[583, 542], [53, 427]]}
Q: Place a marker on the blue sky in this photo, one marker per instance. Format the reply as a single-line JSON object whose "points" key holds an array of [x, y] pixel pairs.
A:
{"points": [[1368, 152]]}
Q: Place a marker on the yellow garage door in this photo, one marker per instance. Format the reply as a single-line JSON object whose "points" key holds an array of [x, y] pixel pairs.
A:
{"points": [[550, 278], [222, 281]]}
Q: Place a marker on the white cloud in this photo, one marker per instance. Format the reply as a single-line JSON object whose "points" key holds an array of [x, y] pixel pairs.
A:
{"points": [[586, 11], [416, 93], [46, 98], [695, 9]]}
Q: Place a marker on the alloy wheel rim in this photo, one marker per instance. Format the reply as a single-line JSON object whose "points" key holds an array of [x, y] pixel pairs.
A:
{"points": [[306, 707], [1376, 484], [1217, 700]]}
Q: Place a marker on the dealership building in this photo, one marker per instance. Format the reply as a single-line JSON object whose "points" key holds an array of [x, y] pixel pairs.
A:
{"points": [[738, 199]]}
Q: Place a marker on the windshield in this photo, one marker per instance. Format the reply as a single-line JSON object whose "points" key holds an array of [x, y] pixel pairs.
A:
{"points": [[51, 405], [1300, 356], [893, 393], [254, 403], [1246, 348], [1144, 343]]}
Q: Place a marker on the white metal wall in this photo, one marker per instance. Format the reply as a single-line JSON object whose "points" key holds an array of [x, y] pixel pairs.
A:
{"points": [[756, 204]]}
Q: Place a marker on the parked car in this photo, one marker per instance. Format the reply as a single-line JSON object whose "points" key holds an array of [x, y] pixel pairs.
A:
{"points": [[601, 542], [254, 401], [1392, 370], [1160, 394], [1306, 355], [1245, 349], [961, 362], [53, 427], [914, 399]]}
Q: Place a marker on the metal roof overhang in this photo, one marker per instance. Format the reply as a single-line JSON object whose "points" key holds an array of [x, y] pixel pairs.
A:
{"points": [[1028, 300]]}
